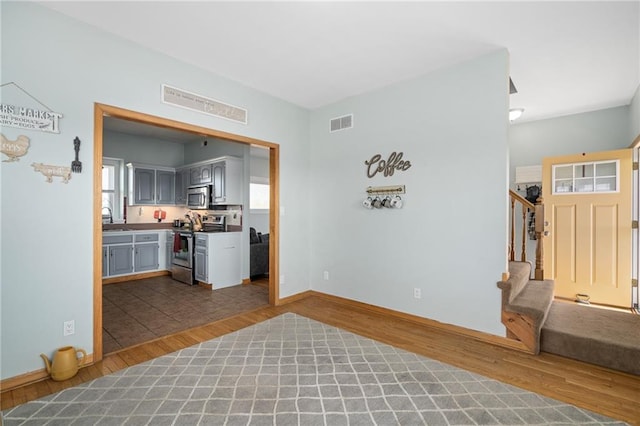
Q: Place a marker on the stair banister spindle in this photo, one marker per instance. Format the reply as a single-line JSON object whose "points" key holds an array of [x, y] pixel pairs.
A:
{"points": [[523, 252], [512, 253], [540, 234]]}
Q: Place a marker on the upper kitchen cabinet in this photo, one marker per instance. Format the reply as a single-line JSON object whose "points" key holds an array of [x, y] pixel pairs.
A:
{"points": [[200, 175], [151, 185], [227, 181], [224, 174], [181, 185]]}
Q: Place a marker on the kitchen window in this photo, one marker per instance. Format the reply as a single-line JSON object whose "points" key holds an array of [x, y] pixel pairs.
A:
{"points": [[112, 177], [259, 193]]}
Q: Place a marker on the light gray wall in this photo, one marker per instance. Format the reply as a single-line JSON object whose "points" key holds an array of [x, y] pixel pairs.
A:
{"points": [[141, 149], [530, 142], [452, 126], [195, 151], [47, 270], [634, 115]]}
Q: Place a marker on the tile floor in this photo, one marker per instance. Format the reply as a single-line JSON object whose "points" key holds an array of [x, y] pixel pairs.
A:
{"points": [[137, 311]]}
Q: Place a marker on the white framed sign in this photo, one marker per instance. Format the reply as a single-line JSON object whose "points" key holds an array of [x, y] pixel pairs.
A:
{"points": [[29, 118]]}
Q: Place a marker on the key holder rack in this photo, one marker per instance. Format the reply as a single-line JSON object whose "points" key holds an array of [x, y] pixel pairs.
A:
{"points": [[384, 196]]}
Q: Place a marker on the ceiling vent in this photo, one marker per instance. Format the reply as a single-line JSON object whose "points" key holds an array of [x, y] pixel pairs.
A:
{"points": [[341, 123]]}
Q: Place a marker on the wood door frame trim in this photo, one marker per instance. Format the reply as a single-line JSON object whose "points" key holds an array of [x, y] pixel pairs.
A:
{"points": [[100, 110]]}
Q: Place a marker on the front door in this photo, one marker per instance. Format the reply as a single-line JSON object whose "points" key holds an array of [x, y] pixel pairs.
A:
{"points": [[588, 214]]}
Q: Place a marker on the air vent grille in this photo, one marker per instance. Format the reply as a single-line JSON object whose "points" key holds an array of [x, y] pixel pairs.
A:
{"points": [[341, 123]]}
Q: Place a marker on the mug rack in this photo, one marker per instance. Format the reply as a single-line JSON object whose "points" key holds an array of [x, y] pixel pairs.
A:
{"points": [[386, 190], [384, 196]]}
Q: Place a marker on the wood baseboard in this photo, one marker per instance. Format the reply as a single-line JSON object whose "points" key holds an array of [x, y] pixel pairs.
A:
{"points": [[295, 297], [449, 328], [205, 285], [123, 278], [32, 377]]}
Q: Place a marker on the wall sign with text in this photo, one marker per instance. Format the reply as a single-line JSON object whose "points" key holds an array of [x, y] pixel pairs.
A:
{"points": [[387, 167], [29, 118]]}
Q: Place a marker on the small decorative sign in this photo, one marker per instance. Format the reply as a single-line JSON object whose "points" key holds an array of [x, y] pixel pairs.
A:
{"points": [[50, 171], [14, 149], [29, 118], [192, 101], [395, 162]]}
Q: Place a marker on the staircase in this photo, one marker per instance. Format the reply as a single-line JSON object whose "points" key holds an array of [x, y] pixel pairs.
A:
{"points": [[525, 305], [587, 333]]}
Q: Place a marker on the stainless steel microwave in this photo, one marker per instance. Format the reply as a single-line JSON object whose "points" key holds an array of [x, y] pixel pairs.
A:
{"points": [[200, 197]]}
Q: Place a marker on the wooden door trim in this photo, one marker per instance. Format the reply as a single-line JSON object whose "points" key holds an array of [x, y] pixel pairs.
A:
{"points": [[100, 110]]}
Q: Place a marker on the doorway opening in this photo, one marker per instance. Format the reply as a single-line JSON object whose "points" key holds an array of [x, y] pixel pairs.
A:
{"points": [[100, 112]]}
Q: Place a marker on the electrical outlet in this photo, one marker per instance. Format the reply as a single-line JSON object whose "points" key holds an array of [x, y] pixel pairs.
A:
{"points": [[417, 293], [325, 275], [69, 327]]}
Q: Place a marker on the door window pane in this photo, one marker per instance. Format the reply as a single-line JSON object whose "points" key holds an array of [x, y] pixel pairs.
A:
{"points": [[599, 176]]}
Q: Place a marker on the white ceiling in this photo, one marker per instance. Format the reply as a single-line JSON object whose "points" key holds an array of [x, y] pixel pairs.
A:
{"points": [[566, 57]]}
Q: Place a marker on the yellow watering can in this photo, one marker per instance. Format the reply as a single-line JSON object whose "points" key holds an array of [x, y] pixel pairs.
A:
{"points": [[65, 363]]}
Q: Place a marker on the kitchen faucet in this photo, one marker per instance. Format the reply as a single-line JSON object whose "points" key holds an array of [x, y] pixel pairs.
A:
{"points": [[110, 214]]}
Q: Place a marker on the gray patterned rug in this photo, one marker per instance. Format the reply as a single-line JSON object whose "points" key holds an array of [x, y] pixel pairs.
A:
{"points": [[291, 370]]}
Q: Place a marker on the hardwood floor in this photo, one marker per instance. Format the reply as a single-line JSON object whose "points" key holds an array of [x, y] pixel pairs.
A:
{"points": [[595, 388]]}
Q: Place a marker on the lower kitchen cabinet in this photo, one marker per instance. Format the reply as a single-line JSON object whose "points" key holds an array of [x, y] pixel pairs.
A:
{"points": [[146, 252], [168, 250], [127, 253], [200, 269], [218, 259], [120, 259], [105, 261]]}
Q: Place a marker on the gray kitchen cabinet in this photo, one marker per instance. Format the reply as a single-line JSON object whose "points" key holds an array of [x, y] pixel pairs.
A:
{"points": [[151, 185], [227, 181], [200, 264], [219, 193], [200, 174], [120, 259], [168, 246], [165, 187], [146, 253], [105, 261], [200, 252], [144, 186], [181, 185], [117, 255]]}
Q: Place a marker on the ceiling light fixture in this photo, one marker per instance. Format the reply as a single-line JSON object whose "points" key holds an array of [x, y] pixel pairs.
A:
{"points": [[515, 113]]}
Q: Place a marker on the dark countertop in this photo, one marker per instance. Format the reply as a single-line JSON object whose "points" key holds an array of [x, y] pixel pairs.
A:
{"points": [[136, 226]]}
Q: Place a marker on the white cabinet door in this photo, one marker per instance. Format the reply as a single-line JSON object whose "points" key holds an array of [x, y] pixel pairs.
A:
{"points": [[224, 259]]}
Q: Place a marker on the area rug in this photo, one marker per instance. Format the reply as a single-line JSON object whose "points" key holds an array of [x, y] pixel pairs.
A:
{"points": [[291, 370]]}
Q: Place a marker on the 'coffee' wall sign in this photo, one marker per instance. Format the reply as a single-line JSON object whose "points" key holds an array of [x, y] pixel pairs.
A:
{"points": [[387, 167]]}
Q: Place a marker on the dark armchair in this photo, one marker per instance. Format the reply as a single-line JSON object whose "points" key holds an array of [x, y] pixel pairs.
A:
{"points": [[258, 254]]}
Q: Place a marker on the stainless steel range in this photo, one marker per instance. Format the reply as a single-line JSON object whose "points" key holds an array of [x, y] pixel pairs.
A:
{"points": [[214, 223], [182, 257]]}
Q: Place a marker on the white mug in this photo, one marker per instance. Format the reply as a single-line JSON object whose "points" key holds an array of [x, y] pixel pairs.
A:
{"points": [[368, 203], [396, 202]]}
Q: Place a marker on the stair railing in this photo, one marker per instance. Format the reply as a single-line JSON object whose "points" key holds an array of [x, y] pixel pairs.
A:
{"points": [[526, 208]]}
